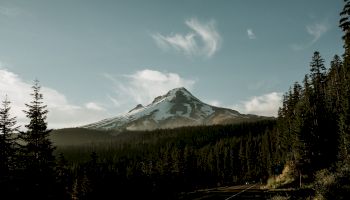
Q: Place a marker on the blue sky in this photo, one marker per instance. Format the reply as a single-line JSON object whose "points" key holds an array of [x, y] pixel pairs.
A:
{"points": [[97, 59]]}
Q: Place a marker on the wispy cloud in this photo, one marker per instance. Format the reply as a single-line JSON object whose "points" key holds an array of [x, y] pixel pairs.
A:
{"points": [[9, 11], [316, 31], [61, 112], [251, 34], [94, 106], [203, 40], [265, 105], [186, 44], [143, 86]]}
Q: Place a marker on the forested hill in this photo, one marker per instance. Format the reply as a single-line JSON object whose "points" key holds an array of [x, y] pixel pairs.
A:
{"points": [[163, 163]]}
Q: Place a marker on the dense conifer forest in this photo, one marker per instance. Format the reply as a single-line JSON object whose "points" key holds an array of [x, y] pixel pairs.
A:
{"points": [[310, 138], [166, 162]]}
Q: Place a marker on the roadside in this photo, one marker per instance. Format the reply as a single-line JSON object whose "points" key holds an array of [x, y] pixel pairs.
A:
{"points": [[248, 191]]}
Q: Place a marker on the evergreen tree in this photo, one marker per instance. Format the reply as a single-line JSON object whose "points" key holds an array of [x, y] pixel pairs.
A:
{"points": [[335, 79], [317, 66], [324, 125], [8, 146], [344, 118], [344, 24], [38, 149]]}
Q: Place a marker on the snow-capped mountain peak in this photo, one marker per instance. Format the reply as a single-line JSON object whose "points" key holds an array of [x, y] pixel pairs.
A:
{"points": [[176, 108], [138, 107], [175, 95]]}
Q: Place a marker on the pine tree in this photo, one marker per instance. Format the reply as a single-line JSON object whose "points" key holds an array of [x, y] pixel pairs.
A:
{"points": [[344, 24], [296, 121], [318, 73], [38, 149], [306, 130], [8, 146], [335, 78], [344, 118], [324, 125]]}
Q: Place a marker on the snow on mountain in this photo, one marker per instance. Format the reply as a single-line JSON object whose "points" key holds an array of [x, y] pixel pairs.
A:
{"points": [[177, 108]]}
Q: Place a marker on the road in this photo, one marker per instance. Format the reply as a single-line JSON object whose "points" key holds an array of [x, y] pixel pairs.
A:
{"points": [[249, 191], [244, 192]]}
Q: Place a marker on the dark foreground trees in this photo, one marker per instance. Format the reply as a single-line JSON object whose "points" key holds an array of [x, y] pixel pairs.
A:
{"points": [[27, 163], [37, 150], [8, 147], [317, 118], [163, 163], [158, 164]]}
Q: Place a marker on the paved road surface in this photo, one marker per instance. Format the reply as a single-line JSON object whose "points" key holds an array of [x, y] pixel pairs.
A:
{"points": [[250, 191]]}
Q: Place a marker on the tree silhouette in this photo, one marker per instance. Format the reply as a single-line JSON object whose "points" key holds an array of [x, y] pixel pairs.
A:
{"points": [[38, 149], [8, 147]]}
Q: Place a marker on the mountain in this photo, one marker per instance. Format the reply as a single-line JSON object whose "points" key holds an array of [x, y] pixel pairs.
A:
{"points": [[177, 108]]}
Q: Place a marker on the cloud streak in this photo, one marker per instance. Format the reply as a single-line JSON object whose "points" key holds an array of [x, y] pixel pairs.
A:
{"points": [[203, 40], [144, 85], [316, 31], [251, 34], [266, 105], [94, 106]]}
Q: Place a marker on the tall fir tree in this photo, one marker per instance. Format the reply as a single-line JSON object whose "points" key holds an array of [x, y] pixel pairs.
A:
{"points": [[323, 125], [344, 118], [38, 149], [8, 147], [335, 79], [318, 73], [344, 24]]}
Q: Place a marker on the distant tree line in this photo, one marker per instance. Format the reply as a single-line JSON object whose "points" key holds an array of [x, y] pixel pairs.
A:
{"points": [[162, 163]]}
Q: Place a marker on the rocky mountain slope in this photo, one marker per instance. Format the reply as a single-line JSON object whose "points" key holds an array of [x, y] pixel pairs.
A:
{"points": [[177, 108]]}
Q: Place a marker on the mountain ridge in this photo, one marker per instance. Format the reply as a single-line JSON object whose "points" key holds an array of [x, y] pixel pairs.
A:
{"points": [[177, 108]]}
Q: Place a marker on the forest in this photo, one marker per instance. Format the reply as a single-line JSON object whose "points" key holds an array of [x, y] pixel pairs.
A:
{"points": [[310, 137], [163, 163]]}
